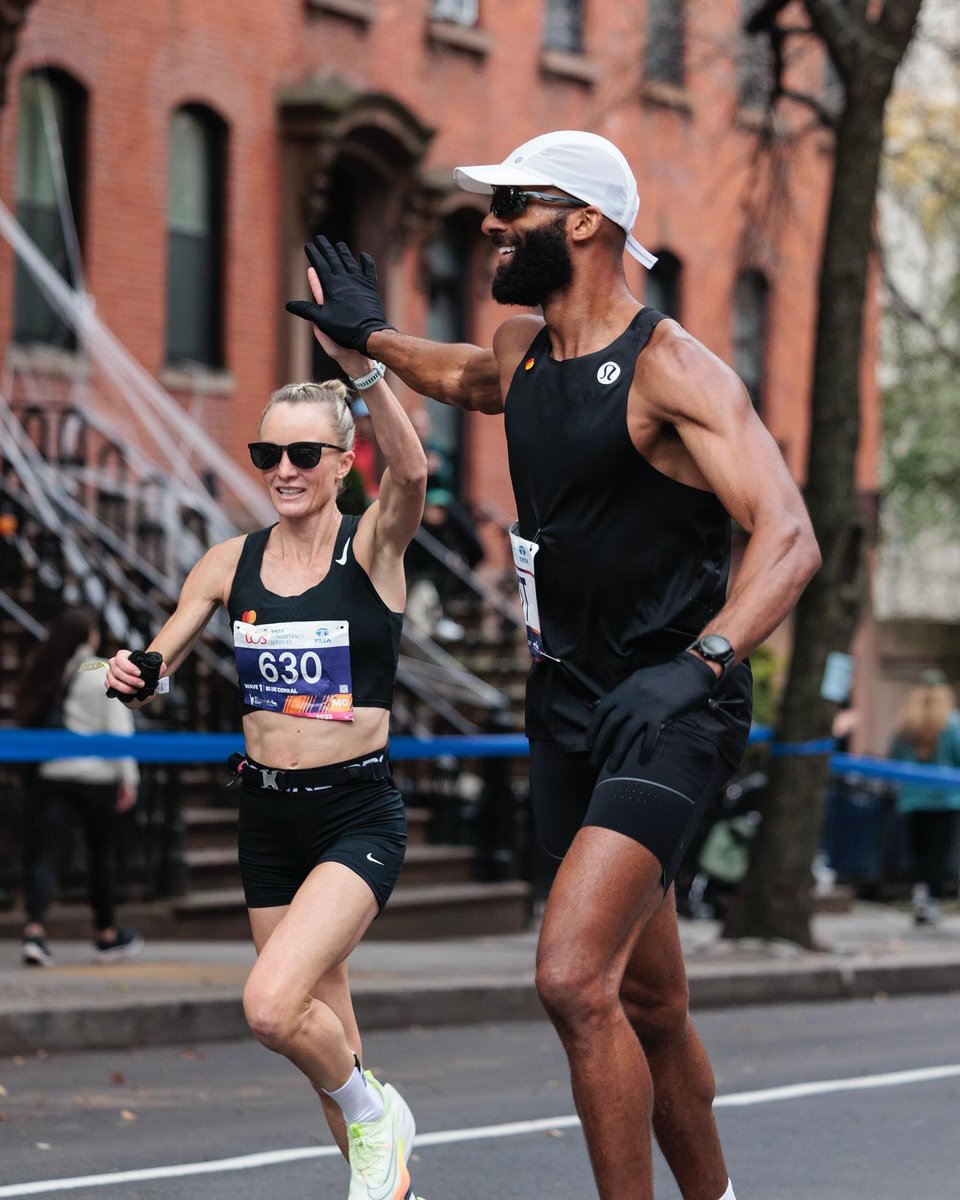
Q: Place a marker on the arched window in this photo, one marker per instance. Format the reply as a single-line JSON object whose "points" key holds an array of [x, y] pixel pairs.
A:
{"points": [[663, 284], [750, 299], [195, 190], [664, 54], [449, 262], [49, 195]]}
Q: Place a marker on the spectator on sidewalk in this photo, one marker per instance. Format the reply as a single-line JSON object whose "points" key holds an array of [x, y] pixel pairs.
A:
{"points": [[56, 692], [928, 731], [452, 524]]}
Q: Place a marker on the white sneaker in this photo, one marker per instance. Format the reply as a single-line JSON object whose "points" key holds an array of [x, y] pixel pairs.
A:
{"points": [[35, 951], [380, 1150]]}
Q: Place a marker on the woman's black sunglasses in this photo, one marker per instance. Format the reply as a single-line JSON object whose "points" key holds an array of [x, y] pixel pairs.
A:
{"points": [[302, 455], [509, 202]]}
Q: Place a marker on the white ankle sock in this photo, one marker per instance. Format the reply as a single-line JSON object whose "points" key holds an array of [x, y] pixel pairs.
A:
{"points": [[728, 1194], [357, 1100]]}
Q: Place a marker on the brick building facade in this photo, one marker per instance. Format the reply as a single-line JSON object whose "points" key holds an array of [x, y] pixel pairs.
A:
{"points": [[348, 117]]}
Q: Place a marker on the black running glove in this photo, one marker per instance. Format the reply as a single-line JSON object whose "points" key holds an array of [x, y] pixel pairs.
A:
{"points": [[351, 308], [148, 663], [642, 704]]}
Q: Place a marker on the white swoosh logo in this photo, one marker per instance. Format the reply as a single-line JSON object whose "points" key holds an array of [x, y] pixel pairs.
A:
{"points": [[376, 860], [342, 560], [387, 1189]]}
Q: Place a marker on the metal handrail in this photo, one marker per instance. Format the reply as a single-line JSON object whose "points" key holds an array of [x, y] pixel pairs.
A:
{"points": [[455, 564]]}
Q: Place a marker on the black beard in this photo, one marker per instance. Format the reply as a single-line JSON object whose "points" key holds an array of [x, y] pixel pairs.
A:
{"points": [[539, 266]]}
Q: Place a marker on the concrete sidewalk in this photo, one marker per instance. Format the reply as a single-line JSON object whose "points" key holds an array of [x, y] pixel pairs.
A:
{"points": [[176, 992]]}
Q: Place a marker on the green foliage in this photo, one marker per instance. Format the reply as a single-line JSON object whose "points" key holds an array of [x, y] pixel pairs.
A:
{"points": [[922, 453], [767, 677], [921, 434]]}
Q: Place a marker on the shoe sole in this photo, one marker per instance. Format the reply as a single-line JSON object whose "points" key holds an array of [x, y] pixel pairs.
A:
{"points": [[119, 953]]}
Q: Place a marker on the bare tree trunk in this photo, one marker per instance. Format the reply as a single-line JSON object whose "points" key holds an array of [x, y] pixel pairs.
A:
{"points": [[12, 15], [776, 899]]}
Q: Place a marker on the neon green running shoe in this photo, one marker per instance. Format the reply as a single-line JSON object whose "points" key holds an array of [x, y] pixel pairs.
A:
{"points": [[380, 1150]]}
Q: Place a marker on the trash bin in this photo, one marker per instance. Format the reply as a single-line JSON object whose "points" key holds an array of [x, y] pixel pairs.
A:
{"points": [[855, 830]]}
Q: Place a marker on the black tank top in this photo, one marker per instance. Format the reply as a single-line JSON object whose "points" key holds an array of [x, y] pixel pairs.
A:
{"points": [[631, 564], [345, 594]]}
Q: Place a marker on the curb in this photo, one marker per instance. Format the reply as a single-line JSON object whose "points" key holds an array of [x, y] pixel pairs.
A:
{"points": [[104, 1025]]}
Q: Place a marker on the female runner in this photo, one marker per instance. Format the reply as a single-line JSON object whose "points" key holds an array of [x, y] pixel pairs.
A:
{"points": [[316, 603]]}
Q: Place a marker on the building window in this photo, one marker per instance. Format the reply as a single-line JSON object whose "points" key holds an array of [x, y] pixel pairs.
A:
{"points": [[449, 264], [663, 284], [750, 299], [49, 193], [754, 63], [664, 55], [195, 238], [563, 26], [460, 12]]}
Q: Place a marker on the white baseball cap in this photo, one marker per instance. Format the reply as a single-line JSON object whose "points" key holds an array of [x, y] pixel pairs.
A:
{"points": [[585, 165]]}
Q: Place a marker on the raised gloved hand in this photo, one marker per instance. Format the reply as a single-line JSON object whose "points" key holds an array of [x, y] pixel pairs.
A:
{"points": [[641, 705], [148, 663], [351, 308]]}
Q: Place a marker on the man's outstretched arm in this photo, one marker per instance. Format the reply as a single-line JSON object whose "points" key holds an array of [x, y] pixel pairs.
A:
{"points": [[455, 373], [352, 314]]}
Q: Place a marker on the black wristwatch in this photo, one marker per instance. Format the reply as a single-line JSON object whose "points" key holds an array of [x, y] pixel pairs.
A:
{"points": [[714, 647]]}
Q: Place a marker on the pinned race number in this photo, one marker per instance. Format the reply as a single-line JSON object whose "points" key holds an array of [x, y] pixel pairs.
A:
{"points": [[524, 553], [299, 668]]}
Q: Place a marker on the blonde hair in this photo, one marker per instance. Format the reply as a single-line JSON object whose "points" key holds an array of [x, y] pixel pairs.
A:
{"points": [[331, 393], [924, 717]]}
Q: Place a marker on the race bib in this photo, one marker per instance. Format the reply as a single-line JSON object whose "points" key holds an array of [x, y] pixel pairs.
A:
{"points": [[301, 668], [524, 553]]}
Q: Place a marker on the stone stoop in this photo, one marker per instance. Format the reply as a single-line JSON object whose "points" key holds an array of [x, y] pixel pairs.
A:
{"points": [[433, 911], [436, 896]]}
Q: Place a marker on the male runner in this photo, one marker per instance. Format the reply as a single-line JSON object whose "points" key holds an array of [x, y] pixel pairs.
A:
{"points": [[630, 448]]}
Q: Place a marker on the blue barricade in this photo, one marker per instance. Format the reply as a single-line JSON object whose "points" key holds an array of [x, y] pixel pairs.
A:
{"points": [[40, 745]]}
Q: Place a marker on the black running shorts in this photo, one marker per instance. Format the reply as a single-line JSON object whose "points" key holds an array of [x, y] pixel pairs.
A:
{"points": [[284, 834], [658, 803]]}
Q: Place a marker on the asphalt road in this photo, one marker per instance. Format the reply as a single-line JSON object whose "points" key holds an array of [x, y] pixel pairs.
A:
{"points": [[71, 1116]]}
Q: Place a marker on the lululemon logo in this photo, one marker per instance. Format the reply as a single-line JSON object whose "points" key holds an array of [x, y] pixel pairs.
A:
{"points": [[609, 372]]}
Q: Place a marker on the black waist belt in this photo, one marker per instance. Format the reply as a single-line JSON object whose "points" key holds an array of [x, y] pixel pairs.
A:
{"points": [[372, 767]]}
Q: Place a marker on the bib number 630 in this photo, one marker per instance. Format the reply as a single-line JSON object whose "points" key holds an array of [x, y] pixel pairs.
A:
{"points": [[285, 667]]}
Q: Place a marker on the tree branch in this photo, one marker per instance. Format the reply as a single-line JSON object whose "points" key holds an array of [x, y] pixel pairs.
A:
{"points": [[896, 20], [824, 116], [938, 346], [848, 38]]}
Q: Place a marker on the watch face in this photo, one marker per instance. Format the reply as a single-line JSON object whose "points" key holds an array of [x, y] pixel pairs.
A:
{"points": [[715, 644]]}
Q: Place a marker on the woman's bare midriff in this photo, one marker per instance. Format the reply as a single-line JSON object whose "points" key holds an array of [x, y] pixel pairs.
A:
{"points": [[294, 743]]}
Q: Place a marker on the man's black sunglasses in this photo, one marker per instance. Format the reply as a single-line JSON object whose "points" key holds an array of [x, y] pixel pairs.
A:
{"points": [[302, 455], [509, 202]]}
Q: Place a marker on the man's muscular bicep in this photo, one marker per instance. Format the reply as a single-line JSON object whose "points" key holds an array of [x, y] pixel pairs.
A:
{"points": [[479, 382]]}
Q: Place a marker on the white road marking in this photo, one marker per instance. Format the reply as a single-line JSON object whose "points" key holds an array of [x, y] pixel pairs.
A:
{"points": [[796, 1091], [448, 1137]]}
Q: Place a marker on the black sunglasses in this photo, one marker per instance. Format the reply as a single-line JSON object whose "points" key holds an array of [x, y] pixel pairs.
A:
{"points": [[302, 455], [509, 202]]}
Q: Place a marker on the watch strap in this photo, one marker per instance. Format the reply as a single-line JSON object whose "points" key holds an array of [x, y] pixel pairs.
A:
{"points": [[373, 376]]}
